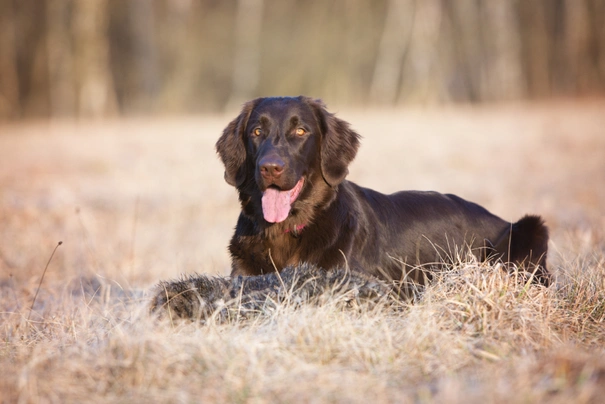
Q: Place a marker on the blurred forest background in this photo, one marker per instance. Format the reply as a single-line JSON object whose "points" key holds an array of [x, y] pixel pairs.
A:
{"points": [[98, 58]]}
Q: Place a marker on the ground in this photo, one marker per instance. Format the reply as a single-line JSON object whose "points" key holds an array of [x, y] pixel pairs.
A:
{"points": [[135, 201]]}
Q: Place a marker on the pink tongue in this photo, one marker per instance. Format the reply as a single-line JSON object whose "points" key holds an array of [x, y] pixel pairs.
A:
{"points": [[277, 204]]}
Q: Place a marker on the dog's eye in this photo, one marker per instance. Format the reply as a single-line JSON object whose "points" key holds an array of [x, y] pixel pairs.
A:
{"points": [[257, 132], [300, 132]]}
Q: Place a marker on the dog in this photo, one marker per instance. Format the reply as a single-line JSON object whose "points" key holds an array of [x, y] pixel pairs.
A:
{"points": [[288, 158]]}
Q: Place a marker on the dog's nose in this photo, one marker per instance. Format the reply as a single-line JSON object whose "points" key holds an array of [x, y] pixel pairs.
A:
{"points": [[271, 167]]}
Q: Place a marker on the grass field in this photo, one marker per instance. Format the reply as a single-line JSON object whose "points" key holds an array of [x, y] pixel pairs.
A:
{"points": [[139, 200]]}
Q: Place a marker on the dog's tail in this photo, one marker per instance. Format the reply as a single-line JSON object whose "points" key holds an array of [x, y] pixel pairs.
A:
{"points": [[525, 243]]}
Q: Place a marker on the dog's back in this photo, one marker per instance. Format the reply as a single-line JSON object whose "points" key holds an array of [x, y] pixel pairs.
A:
{"points": [[416, 228]]}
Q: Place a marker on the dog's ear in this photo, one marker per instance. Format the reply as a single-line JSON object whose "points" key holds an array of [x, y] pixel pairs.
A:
{"points": [[339, 143], [231, 146]]}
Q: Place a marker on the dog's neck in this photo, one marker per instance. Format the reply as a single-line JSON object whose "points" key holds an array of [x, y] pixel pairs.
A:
{"points": [[296, 230]]}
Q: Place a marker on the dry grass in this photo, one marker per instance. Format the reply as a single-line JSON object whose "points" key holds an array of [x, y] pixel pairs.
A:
{"points": [[135, 202]]}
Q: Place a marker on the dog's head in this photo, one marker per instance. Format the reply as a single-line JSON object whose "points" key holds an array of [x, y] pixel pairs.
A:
{"points": [[278, 145]]}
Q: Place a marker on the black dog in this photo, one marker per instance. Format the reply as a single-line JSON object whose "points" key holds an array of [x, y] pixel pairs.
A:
{"points": [[288, 159]]}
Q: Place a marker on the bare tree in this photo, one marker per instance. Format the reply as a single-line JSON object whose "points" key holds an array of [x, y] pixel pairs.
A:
{"points": [[94, 83], [424, 64], [536, 50], [62, 94], [146, 79], [9, 81], [395, 39], [580, 55], [246, 69], [502, 75]]}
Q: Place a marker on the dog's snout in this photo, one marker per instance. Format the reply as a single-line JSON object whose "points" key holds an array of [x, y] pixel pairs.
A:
{"points": [[271, 167]]}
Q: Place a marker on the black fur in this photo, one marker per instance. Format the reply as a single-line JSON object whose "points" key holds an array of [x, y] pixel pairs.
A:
{"points": [[334, 222]]}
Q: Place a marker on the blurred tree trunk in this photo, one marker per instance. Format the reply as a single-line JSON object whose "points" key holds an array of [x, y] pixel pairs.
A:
{"points": [[94, 83], [177, 21], [395, 39], [597, 13], [25, 40], [466, 41], [10, 103], [424, 64], [144, 43], [246, 69], [581, 49], [502, 76], [535, 47], [62, 94]]}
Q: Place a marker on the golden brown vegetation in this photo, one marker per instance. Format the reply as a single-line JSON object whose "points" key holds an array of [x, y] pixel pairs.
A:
{"points": [[135, 202]]}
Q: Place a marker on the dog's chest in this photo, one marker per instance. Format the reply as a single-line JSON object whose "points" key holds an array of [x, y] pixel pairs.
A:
{"points": [[283, 251]]}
